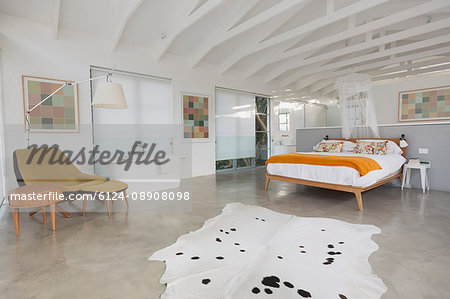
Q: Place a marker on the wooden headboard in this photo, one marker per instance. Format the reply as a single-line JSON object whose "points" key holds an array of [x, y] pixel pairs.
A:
{"points": [[395, 140]]}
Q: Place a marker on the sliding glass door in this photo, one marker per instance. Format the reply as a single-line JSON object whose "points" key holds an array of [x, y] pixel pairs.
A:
{"points": [[242, 130], [262, 129]]}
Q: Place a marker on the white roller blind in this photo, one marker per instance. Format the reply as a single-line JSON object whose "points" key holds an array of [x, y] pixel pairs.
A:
{"points": [[148, 100], [235, 125], [147, 119]]}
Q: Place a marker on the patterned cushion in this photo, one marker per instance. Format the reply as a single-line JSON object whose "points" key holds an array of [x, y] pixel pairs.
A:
{"points": [[330, 147], [371, 148]]}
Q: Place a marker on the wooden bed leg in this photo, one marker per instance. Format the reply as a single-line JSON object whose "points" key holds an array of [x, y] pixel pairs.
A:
{"points": [[267, 184], [359, 200]]}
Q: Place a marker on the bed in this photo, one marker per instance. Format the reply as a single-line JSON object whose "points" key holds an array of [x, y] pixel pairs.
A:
{"points": [[341, 178]]}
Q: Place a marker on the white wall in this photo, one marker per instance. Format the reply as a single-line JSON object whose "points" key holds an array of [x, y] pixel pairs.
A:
{"points": [[29, 49], [386, 93]]}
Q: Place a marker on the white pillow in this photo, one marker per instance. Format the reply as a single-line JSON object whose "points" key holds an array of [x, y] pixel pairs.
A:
{"points": [[348, 145], [392, 147]]}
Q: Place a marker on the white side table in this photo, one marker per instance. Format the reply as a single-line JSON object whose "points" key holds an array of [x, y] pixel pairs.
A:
{"points": [[423, 174]]}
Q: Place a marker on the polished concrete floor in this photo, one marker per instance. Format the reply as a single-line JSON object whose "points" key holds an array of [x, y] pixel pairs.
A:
{"points": [[97, 256]]}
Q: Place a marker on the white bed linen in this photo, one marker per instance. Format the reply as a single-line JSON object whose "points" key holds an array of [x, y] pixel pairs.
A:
{"points": [[341, 175]]}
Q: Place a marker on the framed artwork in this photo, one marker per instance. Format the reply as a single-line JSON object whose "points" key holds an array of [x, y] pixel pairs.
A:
{"points": [[59, 114], [424, 104], [195, 116]]}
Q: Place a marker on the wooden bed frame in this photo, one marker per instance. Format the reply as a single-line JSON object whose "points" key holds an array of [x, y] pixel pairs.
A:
{"points": [[346, 188]]}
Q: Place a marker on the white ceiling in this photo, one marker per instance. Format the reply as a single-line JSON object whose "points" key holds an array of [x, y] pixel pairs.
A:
{"points": [[303, 44]]}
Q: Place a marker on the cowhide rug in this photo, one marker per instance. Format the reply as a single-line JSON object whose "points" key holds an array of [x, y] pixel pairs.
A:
{"points": [[253, 252]]}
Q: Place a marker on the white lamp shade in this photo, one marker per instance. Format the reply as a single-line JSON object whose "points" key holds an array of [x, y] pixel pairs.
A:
{"points": [[109, 95], [403, 143]]}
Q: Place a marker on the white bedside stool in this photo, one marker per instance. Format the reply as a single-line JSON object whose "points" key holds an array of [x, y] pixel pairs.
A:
{"points": [[423, 174]]}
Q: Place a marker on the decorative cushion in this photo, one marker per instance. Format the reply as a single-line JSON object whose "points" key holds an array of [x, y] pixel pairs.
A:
{"points": [[392, 148], [348, 145], [330, 147], [371, 148]]}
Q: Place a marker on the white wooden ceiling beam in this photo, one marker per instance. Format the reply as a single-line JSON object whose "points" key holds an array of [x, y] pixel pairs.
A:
{"points": [[55, 20], [238, 14], [197, 6], [299, 31], [371, 26], [304, 83], [409, 65], [327, 90], [414, 72], [321, 84], [388, 71], [379, 42], [257, 20], [131, 7], [330, 91], [351, 22], [383, 45], [231, 23], [186, 23], [409, 47], [330, 7]]}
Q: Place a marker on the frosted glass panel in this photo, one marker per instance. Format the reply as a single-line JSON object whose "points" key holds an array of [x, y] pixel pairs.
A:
{"points": [[235, 125], [299, 118], [315, 115]]}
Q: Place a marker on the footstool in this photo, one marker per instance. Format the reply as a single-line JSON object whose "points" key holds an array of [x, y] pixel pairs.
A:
{"points": [[107, 189], [37, 195]]}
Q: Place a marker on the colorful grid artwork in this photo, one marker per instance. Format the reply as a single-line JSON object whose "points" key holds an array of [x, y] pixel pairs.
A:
{"points": [[58, 113], [195, 116], [425, 104]]}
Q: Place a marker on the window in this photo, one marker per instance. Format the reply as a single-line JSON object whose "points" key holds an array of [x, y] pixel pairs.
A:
{"points": [[356, 109], [283, 122]]}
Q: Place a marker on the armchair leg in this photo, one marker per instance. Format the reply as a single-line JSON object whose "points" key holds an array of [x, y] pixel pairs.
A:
{"points": [[125, 196], [52, 215], [35, 211], [16, 220], [107, 207], [44, 215], [63, 212], [84, 206]]}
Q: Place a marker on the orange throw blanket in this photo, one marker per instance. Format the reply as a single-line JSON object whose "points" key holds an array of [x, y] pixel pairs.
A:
{"points": [[363, 165]]}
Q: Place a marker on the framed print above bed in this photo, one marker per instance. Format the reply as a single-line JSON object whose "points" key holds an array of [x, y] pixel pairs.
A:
{"points": [[424, 104], [59, 114], [195, 116]]}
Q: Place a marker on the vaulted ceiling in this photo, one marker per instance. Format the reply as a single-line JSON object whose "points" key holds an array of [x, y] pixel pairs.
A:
{"points": [[303, 44]]}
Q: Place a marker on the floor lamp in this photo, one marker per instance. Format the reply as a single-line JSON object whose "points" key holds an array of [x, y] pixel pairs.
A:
{"points": [[107, 95]]}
